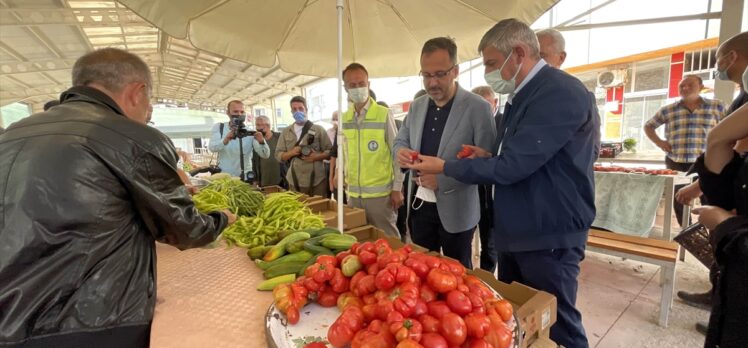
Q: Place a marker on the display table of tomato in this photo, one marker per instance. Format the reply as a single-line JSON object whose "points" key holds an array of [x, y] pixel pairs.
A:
{"points": [[375, 297]]}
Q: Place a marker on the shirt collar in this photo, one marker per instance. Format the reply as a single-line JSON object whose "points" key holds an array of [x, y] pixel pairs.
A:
{"points": [[534, 71], [364, 110]]}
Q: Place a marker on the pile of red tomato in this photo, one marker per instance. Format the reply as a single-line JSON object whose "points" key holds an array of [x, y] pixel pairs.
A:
{"points": [[403, 298], [639, 170]]}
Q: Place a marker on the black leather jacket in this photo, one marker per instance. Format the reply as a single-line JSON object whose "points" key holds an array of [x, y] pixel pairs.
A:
{"points": [[85, 193]]}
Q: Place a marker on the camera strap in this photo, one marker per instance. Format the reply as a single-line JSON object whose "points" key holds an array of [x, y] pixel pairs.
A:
{"points": [[295, 179]]}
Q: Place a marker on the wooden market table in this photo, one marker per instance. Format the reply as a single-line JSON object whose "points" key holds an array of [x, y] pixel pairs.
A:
{"points": [[208, 298]]}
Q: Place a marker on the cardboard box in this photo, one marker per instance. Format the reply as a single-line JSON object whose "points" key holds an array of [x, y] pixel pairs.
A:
{"points": [[271, 189], [544, 343], [352, 217], [535, 309]]}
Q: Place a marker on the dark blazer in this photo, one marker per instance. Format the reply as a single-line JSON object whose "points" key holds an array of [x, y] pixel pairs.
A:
{"points": [[543, 181]]}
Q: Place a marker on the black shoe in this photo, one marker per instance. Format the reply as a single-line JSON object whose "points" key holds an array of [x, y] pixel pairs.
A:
{"points": [[698, 300], [702, 327]]}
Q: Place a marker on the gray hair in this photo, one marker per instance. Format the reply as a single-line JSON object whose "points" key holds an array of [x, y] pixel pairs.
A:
{"points": [[484, 91], [111, 68], [559, 43], [264, 118], [507, 34]]}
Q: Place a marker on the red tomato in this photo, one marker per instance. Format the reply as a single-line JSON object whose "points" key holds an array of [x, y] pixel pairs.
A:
{"points": [[465, 152], [453, 329], [292, 314], [459, 303], [477, 325], [341, 332], [454, 266], [376, 335], [384, 280], [341, 255], [429, 323], [433, 340], [414, 156], [499, 336], [408, 343], [420, 308], [418, 266], [327, 298], [367, 257], [441, 281], [315, 345], [427, 294], [478, 343], [438, 309], [502, 307], [370, 312]]}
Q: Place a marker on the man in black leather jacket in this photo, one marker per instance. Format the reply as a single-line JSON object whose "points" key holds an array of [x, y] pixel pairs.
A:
{"points": [[87, 188]]}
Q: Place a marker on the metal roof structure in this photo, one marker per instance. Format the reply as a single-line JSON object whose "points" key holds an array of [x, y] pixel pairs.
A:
{"points": [[40, 41]]}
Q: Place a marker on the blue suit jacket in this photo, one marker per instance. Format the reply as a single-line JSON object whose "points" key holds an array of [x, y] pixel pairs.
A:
{"points": [[544, 185]]}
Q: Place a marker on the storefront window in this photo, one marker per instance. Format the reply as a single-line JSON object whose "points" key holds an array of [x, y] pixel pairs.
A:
{"points": [[636, 112], [653, 74]]}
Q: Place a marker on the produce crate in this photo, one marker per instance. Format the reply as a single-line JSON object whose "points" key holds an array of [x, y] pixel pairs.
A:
{"points": [[352, 217], [535, 309], [610, 150], [271, 189]]}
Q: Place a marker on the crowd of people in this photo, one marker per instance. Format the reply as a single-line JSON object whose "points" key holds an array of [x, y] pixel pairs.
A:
{"points": [[88, 188]]}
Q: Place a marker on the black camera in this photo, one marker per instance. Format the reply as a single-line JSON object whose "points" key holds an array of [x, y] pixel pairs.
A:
{"points": [[241, 131], [310, 146]]}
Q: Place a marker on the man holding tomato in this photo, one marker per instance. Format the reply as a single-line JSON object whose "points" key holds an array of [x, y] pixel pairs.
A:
{"points": [[445, 211], [544, 200]]}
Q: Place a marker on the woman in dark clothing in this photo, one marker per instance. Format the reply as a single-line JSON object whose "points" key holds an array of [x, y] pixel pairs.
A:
{"points": [[723, 176]]}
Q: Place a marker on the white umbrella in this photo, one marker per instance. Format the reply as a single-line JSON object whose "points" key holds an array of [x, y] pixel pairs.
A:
{"points": [[386, 36]]}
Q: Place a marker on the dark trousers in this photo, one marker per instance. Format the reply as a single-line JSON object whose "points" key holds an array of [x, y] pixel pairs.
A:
{"points": [[402, 212], [488, 254], [554, 271], [681, 167], [427, 231]]}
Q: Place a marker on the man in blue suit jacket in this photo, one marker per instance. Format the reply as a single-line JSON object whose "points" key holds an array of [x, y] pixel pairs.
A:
{"points": [[544, 201]]}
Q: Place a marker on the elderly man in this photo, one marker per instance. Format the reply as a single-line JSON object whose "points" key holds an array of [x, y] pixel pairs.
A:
{"points": [[544, 200], [687, 123], [373, 180], [234, 145], [552, 47], [267, 170], [304, 146], [87, 190], [445, 211]]}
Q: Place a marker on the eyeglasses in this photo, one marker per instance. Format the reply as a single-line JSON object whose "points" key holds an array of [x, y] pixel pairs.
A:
{"points": [[436, 75]]}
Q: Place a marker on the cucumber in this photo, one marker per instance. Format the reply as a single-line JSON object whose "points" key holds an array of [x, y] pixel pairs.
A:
{"points": [[270, 284], [283, 268], [338, 241], [302, 256]]}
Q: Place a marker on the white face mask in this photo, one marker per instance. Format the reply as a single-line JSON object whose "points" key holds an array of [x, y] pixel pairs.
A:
{"points": [[498, 84], [359, 95], [425, 195]]}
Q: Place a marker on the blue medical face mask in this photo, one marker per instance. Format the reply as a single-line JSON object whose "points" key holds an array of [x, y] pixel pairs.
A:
{"points": [[299, 117], [498, 84]]}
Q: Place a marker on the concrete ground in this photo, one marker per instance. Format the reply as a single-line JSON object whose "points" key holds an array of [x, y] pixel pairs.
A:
{"points": [[620, 303]]}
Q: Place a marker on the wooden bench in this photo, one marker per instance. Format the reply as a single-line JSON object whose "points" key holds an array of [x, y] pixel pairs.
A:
{"points": [[658, 252]]}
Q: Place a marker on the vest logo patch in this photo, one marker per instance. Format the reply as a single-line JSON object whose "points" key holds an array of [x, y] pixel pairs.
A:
{"points": [[373, 145]]}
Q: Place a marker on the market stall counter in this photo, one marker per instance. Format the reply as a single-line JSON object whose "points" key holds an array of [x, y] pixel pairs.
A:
{"points": [[208, 298]]}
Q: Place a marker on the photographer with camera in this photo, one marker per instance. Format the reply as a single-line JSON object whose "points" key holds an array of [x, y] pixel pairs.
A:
{"points": [[234, 143], [304, 145]]}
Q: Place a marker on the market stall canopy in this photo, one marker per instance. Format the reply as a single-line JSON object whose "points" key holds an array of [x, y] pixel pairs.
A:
{"points": [[41, 39], [300, 35]]}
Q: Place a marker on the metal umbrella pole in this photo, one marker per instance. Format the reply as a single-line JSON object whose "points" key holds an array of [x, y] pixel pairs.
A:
{"points": [[340, 163]]}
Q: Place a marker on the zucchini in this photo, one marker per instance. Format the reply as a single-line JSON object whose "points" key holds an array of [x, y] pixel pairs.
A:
{"points": [[270, 284], [279, 249], [258, 251], [312, 245], [283, 268], [302, 256], [323, 231], [295, 247]]}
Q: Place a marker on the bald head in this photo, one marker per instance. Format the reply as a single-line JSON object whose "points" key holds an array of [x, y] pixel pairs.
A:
{"points": [[732, 57], [121, 75]]}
